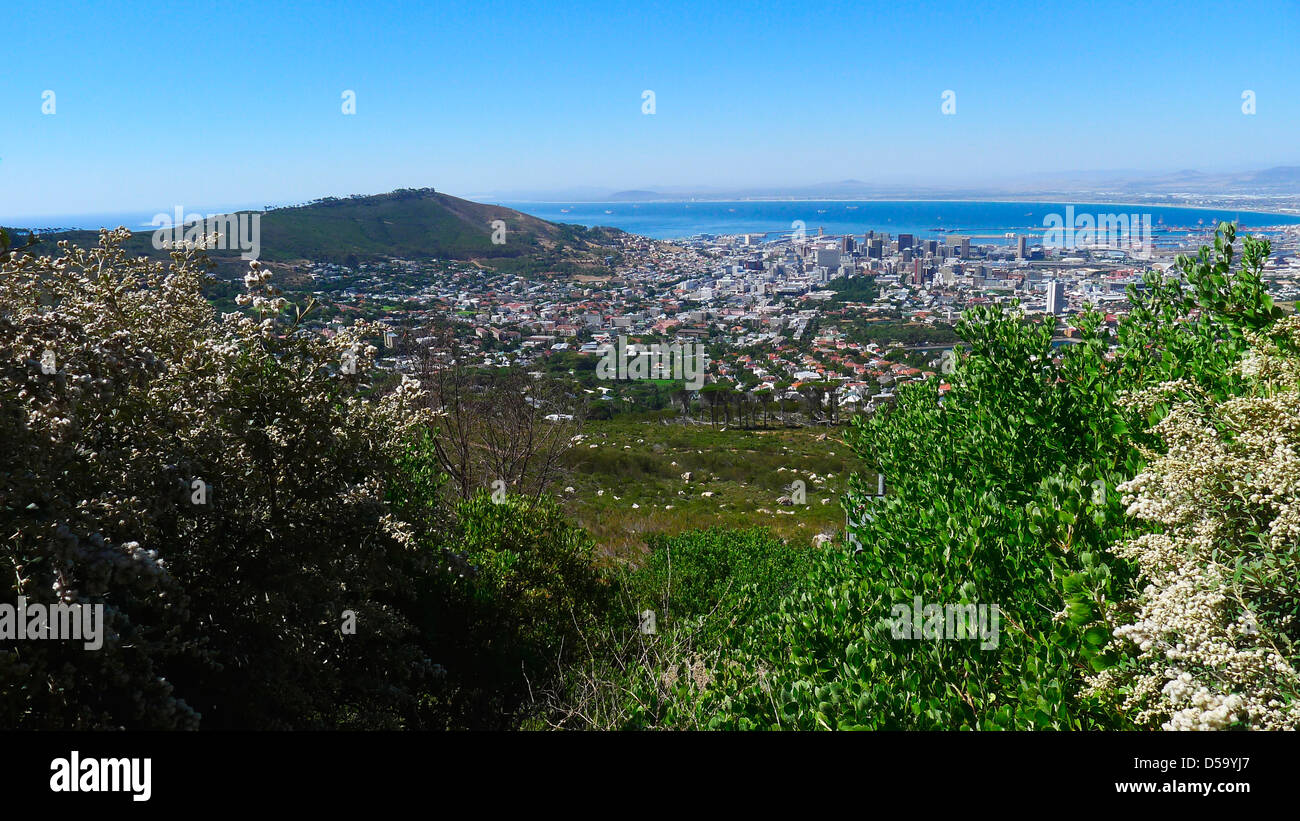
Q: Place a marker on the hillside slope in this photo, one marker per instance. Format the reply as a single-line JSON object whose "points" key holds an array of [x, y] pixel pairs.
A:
{"points": [[408, 224]]}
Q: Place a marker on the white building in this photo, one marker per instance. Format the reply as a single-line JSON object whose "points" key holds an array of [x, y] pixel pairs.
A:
{"points": [[1056, 297]]}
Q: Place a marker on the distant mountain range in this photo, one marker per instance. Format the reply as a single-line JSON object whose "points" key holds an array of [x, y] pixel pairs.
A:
{"points": [[407, 224], [1279, 181], [1282, 180]]}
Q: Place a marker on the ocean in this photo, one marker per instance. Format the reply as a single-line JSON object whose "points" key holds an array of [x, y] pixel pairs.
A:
{"points": [[984, 222]]}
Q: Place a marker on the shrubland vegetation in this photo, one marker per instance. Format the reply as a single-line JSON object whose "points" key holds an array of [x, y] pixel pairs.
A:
{"points": [[1128, 503], [685, 477]]}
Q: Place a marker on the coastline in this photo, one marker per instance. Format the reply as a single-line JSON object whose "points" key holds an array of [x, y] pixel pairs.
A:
{"points": [[1033, 201]]}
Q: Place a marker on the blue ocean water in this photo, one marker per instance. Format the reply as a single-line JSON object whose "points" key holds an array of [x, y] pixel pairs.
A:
{"points": [[985, 222], [930, 219]]}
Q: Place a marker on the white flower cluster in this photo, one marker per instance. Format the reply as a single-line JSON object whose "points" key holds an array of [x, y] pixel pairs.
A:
{"points": [[119, 386], [262, 295], [1212, 644]]}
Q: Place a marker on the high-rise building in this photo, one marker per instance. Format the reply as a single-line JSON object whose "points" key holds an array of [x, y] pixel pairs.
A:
{"points": [[846, 245], [1056, 297], [1022, 247], [827, 258], [904, 241], [876, 248]]}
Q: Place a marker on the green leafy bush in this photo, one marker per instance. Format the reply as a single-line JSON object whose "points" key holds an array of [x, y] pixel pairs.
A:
{"points": [[1002, 493], [511, 613], [700, 586]]}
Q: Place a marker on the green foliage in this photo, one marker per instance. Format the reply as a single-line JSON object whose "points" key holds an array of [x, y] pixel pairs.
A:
{"points": [[1209, 640], [704, 578], [1193, 327], [1001, 493], [702, 586], [854, 289], [908, 333], [521, 595]]}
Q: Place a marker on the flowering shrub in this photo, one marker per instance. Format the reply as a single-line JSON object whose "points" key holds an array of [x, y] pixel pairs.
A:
{"points": [[217, 483], [1005, 492], [1212, 632]]}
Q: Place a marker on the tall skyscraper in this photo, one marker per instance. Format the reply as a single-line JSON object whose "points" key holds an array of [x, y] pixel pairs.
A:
{"points": [[904, 241], [1022, 247], [1055, 297]]}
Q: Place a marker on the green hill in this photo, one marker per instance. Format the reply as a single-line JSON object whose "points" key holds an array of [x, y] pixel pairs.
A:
{"points": [[407, 224]]}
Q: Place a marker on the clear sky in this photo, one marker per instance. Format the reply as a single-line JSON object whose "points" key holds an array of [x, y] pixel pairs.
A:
{"points": [[235, 102]]}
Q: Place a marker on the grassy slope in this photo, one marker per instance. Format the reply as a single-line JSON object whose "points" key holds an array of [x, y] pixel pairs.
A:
{"points": [[411, 224], [634, 461]]}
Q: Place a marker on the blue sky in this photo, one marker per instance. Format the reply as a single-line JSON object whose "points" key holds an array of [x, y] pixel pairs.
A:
{"points": [[239, 103]]}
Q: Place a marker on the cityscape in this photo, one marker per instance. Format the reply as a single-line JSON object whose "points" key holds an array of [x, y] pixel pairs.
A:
{"points": [[400, 396], [755, 291]]}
